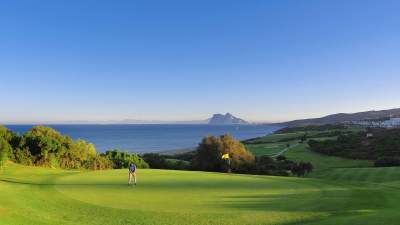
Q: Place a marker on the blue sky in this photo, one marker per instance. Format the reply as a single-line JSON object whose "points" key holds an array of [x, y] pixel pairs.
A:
{"points": [[184, 60]]}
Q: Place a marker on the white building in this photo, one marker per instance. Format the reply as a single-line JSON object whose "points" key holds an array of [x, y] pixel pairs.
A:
{"points": [[393, 122]]}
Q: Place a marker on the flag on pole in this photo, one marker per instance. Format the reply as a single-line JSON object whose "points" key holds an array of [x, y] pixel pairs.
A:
{"points": [[225, 156]]}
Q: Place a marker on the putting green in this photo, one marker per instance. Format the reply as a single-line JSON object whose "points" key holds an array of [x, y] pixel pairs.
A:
{"points": [[48, 196]]}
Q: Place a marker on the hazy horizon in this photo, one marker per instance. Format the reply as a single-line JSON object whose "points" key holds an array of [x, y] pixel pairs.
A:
{"points": [[263, 61], [157, 121]]}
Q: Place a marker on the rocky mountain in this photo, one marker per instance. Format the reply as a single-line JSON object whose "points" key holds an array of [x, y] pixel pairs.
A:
{"points": [[343, 117], [226, 119]]}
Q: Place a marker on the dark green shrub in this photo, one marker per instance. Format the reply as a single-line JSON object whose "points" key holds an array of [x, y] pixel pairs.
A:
{"points": [[175, 164], [387, 162], [122, 159], [155, 161], [302, 169], [281, 158]]}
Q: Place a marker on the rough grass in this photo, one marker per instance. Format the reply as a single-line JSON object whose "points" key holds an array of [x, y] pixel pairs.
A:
{"points": [[49, 196]]}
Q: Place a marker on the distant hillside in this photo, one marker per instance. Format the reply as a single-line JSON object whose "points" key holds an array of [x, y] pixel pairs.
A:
{"points": [[343, 117], [226, 119]]}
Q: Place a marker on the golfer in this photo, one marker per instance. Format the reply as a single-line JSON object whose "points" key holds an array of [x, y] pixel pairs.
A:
{"points": [[132, 174]]}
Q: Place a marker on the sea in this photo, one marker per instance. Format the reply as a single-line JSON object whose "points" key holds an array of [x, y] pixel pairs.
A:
{"points": [[141, 138]]}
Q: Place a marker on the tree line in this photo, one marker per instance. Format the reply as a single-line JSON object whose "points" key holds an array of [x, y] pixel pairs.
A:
{"points": [[208, 157], [377, 144], [43, 146]]}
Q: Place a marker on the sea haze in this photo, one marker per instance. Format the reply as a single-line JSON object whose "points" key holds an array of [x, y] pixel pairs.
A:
{"points": [[151, 137]]}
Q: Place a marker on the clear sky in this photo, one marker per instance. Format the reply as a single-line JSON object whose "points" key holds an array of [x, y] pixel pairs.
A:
{"points": [[185, 60]]}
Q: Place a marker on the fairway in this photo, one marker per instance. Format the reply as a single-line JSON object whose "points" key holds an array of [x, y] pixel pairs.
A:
{"points": [[320, 162], [267, 149], [50, 196]]}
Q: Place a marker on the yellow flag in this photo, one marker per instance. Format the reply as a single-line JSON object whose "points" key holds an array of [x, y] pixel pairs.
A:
{"points": [[225, 156]]}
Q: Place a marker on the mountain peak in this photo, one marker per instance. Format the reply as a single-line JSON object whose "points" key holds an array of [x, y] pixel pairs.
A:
{"points": [[226, 119]]}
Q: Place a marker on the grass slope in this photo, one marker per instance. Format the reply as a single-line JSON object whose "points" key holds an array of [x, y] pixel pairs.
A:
{"points": [[272, 144], [371, 175], [268, 149], [49, 196], [320, 162]]}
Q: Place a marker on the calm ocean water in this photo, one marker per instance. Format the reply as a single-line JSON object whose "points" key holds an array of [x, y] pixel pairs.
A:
{"points": [[151, 138]]}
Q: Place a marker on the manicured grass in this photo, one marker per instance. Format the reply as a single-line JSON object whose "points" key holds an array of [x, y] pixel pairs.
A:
{"points": [[323, 162], [278, 137], [296, 136], [371, 175], [268, 149], [50, 196]]}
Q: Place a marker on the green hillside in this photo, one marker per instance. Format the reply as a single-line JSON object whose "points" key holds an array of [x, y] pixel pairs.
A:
{"points": [[298, 150], [301, 152], [371, 175]]}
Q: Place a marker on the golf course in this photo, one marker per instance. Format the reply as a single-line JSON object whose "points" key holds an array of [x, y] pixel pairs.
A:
{"points": [[199, 112], [337, 191], [31, 195]]}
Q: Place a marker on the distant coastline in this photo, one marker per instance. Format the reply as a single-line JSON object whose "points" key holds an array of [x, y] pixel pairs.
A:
{"points": [[141, 138]]}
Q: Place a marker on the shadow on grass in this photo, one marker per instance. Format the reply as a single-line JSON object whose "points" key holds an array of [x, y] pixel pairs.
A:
{"points": [[326, 206], [328, 201]]}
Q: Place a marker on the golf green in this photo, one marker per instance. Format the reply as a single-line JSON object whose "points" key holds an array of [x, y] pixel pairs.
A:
{"points": [[50, 196]]}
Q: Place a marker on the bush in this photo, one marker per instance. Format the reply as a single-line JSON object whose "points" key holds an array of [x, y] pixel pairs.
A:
{"points": [[281, 158], [43, 146], [155, 161], [265, 164], [97, 162], [211, 149], [12, 138], [302, 169], [175, 164], [122, 159], [185, 156], [387, 162], [268, 166], [23, 156]]}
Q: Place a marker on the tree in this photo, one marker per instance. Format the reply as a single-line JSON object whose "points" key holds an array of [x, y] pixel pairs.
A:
{"points": [[6, 134], [387, 162], [12, 138], [97, 162], [208, 156], [211, 149], [281, 158], [5, 151], [42, 149], [302, 169], [264, 164], [84, 149], [43, 146], [303, 138], [155, 161], [121, 159]]}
